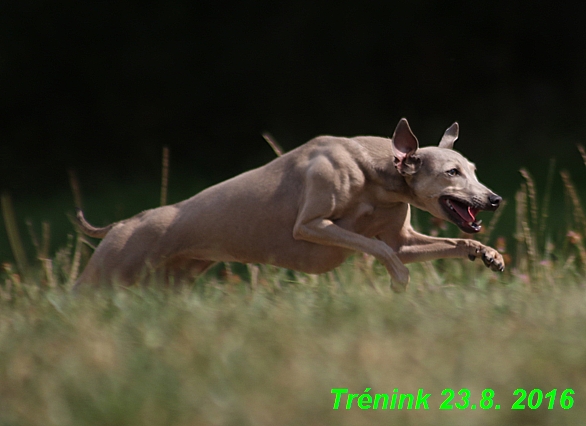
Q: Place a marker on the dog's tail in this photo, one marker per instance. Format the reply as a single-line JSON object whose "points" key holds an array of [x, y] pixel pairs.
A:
{"points": [[90, 230]]}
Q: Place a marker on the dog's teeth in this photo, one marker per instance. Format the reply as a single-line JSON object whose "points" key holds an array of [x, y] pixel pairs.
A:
{"points": [[479, 222]]}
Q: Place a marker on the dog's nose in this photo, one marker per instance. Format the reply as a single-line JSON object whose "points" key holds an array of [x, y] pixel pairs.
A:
{"points": [[495, 200]]}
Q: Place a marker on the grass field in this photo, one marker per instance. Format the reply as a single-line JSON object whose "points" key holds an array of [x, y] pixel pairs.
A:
{"points": [[221, 353], [268, 346]]}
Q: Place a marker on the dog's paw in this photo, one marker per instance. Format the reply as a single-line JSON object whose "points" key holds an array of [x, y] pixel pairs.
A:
{"points": [[399, 276], [491, 258], [399, 287]]}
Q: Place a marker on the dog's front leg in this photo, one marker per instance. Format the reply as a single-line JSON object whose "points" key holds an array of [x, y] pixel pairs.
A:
{"points": [[416, 247], [323, 198], [325, 232]]}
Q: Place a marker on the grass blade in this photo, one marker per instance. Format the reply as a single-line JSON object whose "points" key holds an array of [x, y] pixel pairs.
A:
{"points": [[579, 216], [13, 234], [75, 188], [495, 218], [546, 198], [273, 143], [532, 194]]}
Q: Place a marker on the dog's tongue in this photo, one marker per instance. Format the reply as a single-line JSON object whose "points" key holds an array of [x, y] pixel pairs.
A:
{"points": [[467, 213]]}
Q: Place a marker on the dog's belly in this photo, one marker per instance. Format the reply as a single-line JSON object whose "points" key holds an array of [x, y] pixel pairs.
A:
{"points": [[268, 242], [285, 252], [309, 258]]}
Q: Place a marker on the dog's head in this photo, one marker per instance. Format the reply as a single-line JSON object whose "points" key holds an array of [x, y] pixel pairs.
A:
{"points": [[442, 181]]}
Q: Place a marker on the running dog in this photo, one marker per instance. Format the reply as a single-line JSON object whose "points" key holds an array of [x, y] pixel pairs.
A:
{"points": [[307, 210]]}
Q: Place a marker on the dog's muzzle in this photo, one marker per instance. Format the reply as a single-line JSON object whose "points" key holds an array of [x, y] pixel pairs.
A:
{"points": [[463, 213]]}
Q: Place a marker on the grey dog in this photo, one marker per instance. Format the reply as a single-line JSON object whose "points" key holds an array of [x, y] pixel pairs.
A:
{"points": [[307, 210]]}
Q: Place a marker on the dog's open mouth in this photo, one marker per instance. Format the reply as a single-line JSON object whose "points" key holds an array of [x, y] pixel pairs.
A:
{"points": [[462, 214]]}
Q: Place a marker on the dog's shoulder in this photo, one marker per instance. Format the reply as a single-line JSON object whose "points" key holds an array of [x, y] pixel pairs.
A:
{"points": [[357, 146], [377, 146], [338, 150]]}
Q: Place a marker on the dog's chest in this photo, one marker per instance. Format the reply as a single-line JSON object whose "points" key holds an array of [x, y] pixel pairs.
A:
{"points": [[370, 220]]}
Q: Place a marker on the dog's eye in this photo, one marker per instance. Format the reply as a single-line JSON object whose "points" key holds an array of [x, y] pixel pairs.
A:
{"points": [[453, 172]]}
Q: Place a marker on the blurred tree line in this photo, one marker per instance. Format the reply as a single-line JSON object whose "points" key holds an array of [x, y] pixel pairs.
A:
{"points": [[100, 86]]}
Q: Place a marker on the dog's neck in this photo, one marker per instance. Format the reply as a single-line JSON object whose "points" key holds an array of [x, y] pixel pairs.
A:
{"points": [[380, 171]]}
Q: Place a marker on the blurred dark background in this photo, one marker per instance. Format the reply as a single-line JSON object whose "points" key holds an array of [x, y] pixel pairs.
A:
{"points": [[100, 87]]}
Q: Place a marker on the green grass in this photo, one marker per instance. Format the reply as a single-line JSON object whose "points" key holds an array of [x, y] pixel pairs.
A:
{"points": [[220, 353]]}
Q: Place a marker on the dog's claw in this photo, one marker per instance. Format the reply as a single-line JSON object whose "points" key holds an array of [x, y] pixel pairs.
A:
{"points": [[490, 257]]}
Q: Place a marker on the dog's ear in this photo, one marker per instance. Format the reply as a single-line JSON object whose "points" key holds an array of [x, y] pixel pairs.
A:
{"points": [[450, 136], [404, 146]]}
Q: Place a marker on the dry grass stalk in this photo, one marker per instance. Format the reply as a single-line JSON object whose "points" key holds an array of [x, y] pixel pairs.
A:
{"points": [[42, 250], [485, 237], [75, 264], [530, 244], [45, 238], [75, 188], [576, 240], [271, 141], [582, 152], [433, 280], [527, 256], [520, 210], [530, 222], [253, 271], [579, 216], [87, 242], [229, 275], [165, 176], [13, 234], [532, 197], [546, 197], [34, 239], [49, 275]]}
